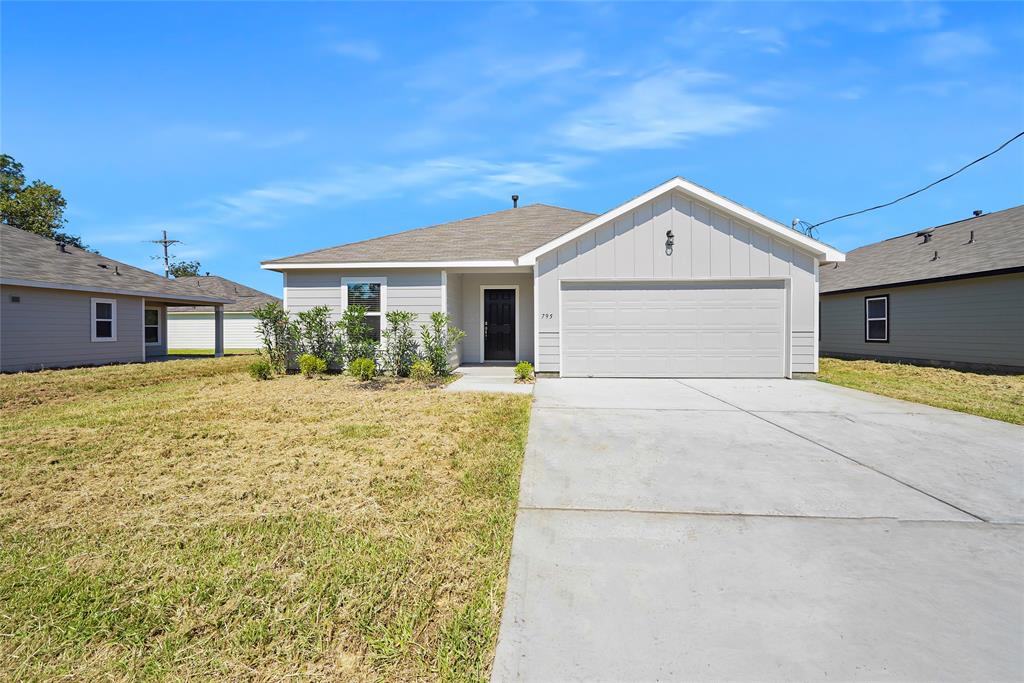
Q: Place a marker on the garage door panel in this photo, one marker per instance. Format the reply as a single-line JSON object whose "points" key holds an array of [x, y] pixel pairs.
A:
{"points": [[674, 329]]}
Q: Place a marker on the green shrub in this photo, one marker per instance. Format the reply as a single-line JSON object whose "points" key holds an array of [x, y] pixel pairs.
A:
{"points": [[362, 368], [311, 366], [439, 340], [422, 371], [261, 369], [317, 335], [279, 335], [524, 371], [356, 338], [398, 347]]}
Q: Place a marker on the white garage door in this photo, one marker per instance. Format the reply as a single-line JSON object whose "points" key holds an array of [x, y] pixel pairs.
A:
{"points": [[650, 329]]}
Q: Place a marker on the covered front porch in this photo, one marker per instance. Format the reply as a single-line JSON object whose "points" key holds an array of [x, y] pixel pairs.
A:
{"points": [[495, 307]]}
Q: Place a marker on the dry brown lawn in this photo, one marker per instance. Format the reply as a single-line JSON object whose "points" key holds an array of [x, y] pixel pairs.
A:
{"points": [[181, 520], [998, 396]]}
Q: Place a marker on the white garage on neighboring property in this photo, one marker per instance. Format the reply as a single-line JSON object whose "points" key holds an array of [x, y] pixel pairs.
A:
{"points": [[189, 327], [678, 282]]}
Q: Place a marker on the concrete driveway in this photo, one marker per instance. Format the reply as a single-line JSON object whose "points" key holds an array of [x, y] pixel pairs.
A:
{"points": [[762, 530]]}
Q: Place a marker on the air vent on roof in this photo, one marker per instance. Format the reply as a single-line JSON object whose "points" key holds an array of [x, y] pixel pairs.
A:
{"points": [[926, 234], [62, 247], [515, 201], [971, 241], [935, 256], [978, 212], [103, 265]]}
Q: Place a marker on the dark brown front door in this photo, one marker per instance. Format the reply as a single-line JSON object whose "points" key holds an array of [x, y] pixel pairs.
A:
{"points": [[499, 324]]}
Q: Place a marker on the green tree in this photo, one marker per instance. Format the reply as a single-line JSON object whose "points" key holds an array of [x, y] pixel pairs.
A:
{"points": [[37, 207], [184, 268]]}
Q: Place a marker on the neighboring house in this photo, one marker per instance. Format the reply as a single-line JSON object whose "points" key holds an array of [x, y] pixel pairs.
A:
{"points": [[61, 306], [678, 282], [191, 327], [949, 295]]}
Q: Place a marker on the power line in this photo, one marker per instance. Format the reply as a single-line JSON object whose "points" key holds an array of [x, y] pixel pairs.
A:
{"points": [[907, 196]]}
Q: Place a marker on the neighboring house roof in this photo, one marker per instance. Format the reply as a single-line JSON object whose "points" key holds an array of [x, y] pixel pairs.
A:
{"points": [[998, 246], [30, 260], [245, 298], [519, 236], [502, 235]]}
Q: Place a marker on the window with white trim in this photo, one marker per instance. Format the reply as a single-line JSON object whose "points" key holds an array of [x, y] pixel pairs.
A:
{"points": [[104, 320], [370, 293], [876, 318], [152, 326]]}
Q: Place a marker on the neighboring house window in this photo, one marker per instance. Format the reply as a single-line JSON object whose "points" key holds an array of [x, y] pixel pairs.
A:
{"points": [[371, 294], [876, 318], [104, 320], [152, 326]]}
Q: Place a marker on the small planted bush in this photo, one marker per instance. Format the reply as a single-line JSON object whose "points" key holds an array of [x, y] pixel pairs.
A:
{"points": [[422, 371], [362, 369], [261, 369], [398, 343], [524, 371], [311, 366], [439, 340]]}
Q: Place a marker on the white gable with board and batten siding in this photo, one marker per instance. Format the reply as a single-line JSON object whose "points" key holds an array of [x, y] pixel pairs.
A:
{"points": [[642, 297]]}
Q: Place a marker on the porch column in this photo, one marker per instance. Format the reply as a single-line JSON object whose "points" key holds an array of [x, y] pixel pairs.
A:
{"points": [[218, 331]]}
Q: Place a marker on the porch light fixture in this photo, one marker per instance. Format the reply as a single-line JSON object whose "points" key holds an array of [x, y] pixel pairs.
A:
{"points": [[670, 240]]}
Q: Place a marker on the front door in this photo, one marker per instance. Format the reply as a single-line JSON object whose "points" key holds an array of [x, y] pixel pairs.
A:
{"points": [[499, 324]]}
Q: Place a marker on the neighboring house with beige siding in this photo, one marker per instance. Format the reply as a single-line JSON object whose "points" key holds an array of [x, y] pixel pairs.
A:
{"points": [[191, 327], [61, 306], [677, 282], [952, 295]]}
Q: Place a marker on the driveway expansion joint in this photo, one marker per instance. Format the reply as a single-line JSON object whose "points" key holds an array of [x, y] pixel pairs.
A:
{"points": [[753, 515], [839, 453]]}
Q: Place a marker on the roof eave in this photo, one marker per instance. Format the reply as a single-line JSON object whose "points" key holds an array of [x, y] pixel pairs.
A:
{"points": [[823, 251], [338, 265], [183, 299]]}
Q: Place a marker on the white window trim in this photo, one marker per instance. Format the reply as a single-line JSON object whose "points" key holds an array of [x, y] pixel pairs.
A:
{"points": [[94, 320], [379, 280], [868, 319], [159, 325]]}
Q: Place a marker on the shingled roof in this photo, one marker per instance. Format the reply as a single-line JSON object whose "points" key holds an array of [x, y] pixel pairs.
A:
{"points": [[33, 261], [245, 298], [949, 252], [494, 236]]}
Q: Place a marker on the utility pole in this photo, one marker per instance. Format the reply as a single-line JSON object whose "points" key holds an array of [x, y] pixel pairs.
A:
{"points": [[167, 258]]}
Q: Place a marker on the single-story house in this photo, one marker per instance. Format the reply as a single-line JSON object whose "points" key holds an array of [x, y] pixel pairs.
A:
{"points": [[61, 306], [677, 282], [950, 295], [191, 327]]}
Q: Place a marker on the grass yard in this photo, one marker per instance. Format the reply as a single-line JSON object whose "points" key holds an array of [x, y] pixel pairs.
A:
{"points": [[180, 520], [1000, 397]]}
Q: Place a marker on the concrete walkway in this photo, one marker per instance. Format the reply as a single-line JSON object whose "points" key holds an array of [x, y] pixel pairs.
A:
{"points": [[762, 530], [489, 378]]}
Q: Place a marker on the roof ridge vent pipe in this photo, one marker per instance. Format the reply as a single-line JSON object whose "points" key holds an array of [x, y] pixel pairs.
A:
{"points": [[926, 234], [935, 256], [63, 247], [515, 201], [972, 240]]}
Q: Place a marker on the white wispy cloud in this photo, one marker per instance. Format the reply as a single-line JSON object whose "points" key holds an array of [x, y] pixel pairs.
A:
{"points": [[949, 48], [363, 50], [660, 110], [191, 134]]}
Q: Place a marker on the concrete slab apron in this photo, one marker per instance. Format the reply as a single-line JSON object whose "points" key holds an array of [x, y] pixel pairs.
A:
{"points": [[669, 534]]}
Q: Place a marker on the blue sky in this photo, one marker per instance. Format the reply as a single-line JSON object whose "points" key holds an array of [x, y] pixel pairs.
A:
{"points": [[257, 130]]}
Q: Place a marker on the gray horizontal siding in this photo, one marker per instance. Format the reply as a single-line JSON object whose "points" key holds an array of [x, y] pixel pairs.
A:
{"points": [[415, 290], [805, 357], [51, 328], [979, 320]]}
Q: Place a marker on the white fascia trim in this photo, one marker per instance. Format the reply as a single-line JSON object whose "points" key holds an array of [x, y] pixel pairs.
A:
{"points": [[822, 250], [389, 264], [185, 300]]}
